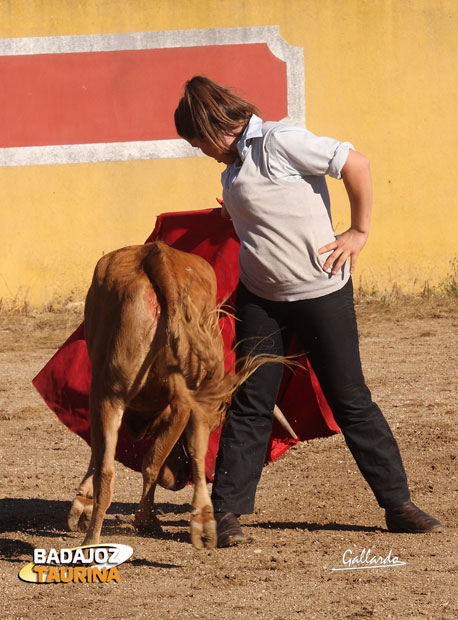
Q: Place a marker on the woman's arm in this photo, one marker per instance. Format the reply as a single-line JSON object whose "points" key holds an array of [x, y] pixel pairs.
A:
{"points": [[356, 176], [225, 212]]}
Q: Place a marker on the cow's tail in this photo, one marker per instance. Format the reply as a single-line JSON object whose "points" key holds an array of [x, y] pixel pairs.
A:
{"points": [[193, 347], [212, 386], [194, 351]]}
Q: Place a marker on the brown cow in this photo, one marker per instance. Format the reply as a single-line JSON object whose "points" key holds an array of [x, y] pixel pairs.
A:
{"points": [[157, 359]]}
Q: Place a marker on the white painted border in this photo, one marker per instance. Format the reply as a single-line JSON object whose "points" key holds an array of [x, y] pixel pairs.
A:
{"points": [[123, 151]]}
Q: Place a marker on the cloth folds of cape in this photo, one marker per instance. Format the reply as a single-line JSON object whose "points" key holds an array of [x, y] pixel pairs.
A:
{"points": [[64, 382]]}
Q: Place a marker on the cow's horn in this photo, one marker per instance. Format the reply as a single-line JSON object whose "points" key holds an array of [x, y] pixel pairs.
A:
{"points": [[280, 417]]}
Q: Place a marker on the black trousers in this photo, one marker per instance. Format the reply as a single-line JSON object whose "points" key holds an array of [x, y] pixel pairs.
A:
{"points": [[326, 327]]}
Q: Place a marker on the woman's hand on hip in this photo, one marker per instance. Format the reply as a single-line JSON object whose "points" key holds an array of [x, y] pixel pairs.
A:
{"points": [[348, 245]]}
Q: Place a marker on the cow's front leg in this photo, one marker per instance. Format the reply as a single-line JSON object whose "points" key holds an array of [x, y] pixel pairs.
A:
{"points": [[81, 509], [170, 424], [106, 417], [203, 524]]}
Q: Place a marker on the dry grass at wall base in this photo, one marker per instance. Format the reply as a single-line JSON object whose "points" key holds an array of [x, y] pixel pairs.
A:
{"points": [[365, 294], [20, 304], [368, 290]]}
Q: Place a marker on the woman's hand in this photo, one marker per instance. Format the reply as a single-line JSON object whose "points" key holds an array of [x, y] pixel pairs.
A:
{"points": [[348, 245], [224, 211]]}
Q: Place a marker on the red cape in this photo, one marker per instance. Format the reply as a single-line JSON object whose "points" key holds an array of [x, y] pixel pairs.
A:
{"points": [[64, 382]]}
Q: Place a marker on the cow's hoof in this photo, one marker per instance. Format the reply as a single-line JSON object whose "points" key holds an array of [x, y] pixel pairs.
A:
{"points": [[203, 528], [148, 527], [91, 539], [80, 514]]}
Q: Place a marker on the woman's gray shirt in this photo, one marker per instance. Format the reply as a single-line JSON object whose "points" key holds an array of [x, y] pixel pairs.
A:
{"points": [[277, 197]]}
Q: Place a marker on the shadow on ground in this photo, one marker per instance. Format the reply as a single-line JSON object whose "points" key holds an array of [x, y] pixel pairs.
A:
{"points": [[312, 527], [48, 518]]}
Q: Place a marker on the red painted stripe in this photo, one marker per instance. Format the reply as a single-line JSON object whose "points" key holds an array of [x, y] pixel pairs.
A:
{"points": [[79, 98]]}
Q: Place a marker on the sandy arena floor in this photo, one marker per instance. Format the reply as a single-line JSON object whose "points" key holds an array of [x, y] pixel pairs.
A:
{"points": [[312, 505]]}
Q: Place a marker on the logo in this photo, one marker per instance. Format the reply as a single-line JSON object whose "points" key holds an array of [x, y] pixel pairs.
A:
{"points": [[367, 559], [88, 564]]}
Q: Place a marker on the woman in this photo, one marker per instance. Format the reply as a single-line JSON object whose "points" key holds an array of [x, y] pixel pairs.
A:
{"points": [[294, 276]]}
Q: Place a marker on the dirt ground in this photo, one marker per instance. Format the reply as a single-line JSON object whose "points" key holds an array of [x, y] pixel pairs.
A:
{"points": [[312, 504]]}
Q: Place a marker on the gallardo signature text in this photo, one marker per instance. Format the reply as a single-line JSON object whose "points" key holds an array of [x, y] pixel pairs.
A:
{"points": [[367, 559]]}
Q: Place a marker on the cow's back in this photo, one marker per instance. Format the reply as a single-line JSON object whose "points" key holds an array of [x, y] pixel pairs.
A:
{"points": [[150, 310]]}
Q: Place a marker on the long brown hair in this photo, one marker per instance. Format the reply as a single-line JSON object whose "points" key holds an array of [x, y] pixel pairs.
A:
{"points": [[207, 111]]}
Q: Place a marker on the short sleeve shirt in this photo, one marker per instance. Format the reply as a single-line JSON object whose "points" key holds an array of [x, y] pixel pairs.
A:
{"points": [[277, 198]]}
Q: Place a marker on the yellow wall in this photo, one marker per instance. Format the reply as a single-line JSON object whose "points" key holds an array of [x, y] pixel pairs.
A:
{"points": [[380, 73]]}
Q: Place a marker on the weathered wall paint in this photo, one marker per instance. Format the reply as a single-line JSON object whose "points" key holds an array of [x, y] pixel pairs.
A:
{"points": [[380, 73], [122, 96]]}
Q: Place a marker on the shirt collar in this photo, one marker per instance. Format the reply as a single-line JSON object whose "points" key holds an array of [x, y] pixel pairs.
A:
{"points": [[252, 130]]}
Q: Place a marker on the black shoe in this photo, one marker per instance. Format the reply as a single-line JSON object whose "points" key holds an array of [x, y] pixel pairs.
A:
{"points": [[409, 518], [229, 530]]}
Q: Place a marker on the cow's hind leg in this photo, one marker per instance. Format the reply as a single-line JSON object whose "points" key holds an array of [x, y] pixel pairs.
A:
{"points": [[106, 418], [170, 426], [81, 509], [203, 524]]}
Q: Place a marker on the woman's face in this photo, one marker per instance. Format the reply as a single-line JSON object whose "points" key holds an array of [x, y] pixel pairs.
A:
{"points": [[213, 151]]}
